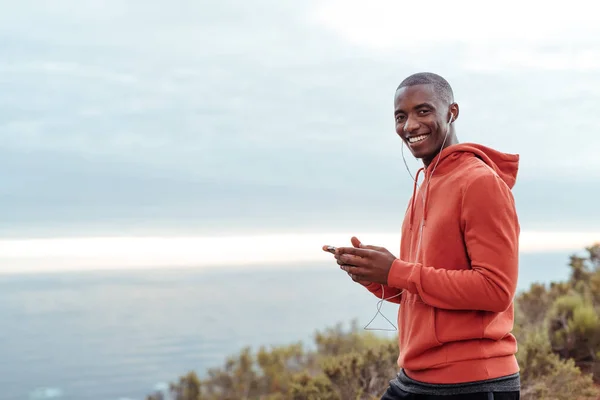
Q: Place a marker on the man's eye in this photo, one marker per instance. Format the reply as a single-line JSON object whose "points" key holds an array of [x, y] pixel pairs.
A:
{"points": [[423, 112], [399, 118]]}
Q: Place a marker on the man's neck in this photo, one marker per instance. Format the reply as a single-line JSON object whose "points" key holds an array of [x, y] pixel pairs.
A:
{"points": [[452, 141]]}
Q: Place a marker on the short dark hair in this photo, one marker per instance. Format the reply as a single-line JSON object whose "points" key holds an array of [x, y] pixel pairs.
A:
{"points": [[441, 86]]}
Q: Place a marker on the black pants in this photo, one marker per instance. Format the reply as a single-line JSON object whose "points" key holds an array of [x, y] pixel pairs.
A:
{"points": [[394, 393]]}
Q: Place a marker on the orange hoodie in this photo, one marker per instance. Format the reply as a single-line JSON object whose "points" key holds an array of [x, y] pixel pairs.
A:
{"points": [[458, 267]]}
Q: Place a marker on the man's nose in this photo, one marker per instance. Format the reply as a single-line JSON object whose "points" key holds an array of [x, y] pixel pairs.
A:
{"points": [[411, 125]]}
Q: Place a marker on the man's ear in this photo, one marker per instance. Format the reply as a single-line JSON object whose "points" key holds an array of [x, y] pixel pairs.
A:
{"points": [[455, 111]]}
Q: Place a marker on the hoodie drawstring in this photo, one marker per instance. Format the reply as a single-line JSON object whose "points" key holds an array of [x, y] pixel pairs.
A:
{"points": [[414, 196], [426, 201]]}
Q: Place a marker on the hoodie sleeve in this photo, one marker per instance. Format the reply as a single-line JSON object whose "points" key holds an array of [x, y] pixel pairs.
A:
{"points": [[491, 234]]}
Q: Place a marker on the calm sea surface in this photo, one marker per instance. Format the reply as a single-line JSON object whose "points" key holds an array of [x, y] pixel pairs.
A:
{"points": [[121, 335]]}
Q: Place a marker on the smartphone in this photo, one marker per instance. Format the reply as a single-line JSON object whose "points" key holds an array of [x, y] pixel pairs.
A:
{"points": [[331, 249]]}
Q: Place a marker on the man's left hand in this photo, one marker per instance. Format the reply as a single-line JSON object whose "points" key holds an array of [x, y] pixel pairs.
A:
{"points": [[366, 263]]}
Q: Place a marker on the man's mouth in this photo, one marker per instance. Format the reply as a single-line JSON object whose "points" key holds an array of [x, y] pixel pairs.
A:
{"points": [[417, 139]]}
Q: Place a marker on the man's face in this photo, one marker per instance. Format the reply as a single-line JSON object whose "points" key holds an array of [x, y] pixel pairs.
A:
{"points": [[421, 120]]}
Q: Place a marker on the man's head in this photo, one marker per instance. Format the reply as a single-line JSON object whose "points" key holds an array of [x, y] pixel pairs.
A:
{"points": [[424, 110]]}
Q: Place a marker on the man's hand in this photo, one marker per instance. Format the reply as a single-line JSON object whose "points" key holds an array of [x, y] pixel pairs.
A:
{"points": [[356, 243], [365, 263]]}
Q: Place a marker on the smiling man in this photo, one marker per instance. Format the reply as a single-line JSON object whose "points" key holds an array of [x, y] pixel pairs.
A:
{"points": [[456, 275]]}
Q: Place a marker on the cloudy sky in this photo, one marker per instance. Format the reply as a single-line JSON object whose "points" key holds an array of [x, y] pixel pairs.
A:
{"points": [[203, 118]]}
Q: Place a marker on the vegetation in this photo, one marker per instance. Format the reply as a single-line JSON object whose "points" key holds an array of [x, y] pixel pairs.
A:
{"points": [[557, 326]]}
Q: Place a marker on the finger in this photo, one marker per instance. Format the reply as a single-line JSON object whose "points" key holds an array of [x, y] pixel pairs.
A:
{"points": [[355, 242], [345, 262], [357, 280], [358, 244], [369, 247], [328, 248], [354, 277], [365, 253], [357, 272], [354, 260]]}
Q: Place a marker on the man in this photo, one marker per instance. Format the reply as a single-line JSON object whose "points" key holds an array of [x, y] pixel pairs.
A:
{"points": [[456, 274]]}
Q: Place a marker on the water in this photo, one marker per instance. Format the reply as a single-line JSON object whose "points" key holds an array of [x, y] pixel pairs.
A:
{"points": [[121, 335]]}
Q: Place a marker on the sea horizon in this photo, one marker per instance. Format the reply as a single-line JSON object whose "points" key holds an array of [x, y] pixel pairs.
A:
{"points": [[62, 254]]}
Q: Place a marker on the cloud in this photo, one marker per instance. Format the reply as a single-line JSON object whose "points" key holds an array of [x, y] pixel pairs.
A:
{"points": [[138, 116], [71, 70], [60, 194], [525, 58], [387, 24]]}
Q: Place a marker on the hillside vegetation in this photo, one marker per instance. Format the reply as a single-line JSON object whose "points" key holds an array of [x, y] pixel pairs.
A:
{"points": [[557, 326]]}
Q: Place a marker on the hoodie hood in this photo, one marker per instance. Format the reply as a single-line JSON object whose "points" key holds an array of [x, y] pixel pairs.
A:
{"points": [[504, 164]]}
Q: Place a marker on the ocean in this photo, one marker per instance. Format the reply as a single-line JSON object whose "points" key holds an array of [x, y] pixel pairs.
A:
{"points": [[117, 335]]}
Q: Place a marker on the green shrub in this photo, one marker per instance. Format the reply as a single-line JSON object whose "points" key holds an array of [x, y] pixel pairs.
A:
{"points": [[557, 328]]}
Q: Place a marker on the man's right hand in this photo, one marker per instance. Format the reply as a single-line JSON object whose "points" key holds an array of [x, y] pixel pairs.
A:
{"points": [[356, 243]]}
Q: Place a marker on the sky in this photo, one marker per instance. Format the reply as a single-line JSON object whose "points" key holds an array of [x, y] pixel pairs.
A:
{"points": [[252, 122]]}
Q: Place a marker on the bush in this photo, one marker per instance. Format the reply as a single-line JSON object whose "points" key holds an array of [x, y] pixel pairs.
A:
{"points": [[557, 327], [362, 375], [544, 375]]}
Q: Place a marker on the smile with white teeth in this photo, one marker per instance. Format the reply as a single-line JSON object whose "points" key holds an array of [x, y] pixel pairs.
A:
{"points": [[416, 139]]}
